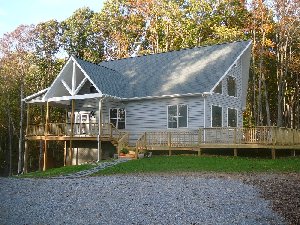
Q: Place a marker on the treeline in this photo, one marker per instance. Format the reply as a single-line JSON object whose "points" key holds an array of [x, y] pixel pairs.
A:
{"points": [[32, 56]]}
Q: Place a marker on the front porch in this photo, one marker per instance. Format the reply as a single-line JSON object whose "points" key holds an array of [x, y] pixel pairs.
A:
{"points": [[75, 131]]}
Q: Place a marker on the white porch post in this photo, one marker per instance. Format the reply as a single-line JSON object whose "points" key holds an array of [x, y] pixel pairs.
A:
{"points": [[100, 130]]}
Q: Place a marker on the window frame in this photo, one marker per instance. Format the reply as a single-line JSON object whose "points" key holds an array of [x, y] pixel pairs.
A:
{"points": [[211, 116], [177, 107], [118, 117], [235, 83], [236, 117], [221, 85]]}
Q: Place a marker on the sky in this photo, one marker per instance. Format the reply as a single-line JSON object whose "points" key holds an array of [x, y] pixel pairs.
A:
{"points": [[16, 12]]}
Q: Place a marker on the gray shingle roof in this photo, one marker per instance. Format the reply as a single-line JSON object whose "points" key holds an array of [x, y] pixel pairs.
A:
{"points": [[108, 81], [194, 70]]}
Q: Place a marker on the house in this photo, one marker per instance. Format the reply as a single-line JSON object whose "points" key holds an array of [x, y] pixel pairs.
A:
{"points": [[119, 101]]}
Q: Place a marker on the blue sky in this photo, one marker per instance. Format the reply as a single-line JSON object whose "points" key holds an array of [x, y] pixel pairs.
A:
{"points": [[16, 12]]}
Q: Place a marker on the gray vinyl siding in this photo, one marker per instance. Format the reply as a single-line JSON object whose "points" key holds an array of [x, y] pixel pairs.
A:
{"points": [[151, 115], [225, 101]]}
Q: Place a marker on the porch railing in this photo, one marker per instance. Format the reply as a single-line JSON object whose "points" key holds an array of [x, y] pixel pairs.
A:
{"points": [[230, 136], [79, 129]]}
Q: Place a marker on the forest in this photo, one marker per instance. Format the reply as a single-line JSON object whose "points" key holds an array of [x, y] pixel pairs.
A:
{"points": [[32, 55]]}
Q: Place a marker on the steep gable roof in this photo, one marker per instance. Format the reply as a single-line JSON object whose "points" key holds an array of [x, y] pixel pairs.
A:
{"points": [[184, 72], [194, 70], [107, 80]]}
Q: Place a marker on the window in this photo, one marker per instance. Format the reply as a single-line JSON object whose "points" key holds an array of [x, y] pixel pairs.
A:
{"points": [[218, 89], [216, 116], [93, 89], [232, 117], [231, 86], [117, 117], [177, 116]]}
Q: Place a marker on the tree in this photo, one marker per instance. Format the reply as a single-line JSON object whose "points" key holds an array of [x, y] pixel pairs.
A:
{"points": [[79, 38], [16, 48]]}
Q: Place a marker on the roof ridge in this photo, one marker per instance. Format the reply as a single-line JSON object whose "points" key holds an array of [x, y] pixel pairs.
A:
{"points": [[98, 65], [182, 49]]}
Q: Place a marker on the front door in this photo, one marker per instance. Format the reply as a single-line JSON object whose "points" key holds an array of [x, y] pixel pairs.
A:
{"points": [[82, 123]]}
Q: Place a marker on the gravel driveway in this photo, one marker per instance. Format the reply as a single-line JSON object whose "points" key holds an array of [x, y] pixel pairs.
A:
{"points": [[134, 199]]}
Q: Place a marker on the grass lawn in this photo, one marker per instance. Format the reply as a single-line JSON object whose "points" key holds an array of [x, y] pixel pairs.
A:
{"points": [[204, 164], [57, 171]]}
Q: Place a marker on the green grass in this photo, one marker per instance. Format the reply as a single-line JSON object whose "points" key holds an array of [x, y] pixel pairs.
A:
{"points": [[203, 164], [57, 171]]}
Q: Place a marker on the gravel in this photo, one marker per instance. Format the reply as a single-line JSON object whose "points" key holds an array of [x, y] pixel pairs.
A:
{"points": [[134, 199]]}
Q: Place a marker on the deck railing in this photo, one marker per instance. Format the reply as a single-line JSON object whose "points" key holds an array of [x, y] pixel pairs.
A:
{"points": [[79, 129], [230, 136]]}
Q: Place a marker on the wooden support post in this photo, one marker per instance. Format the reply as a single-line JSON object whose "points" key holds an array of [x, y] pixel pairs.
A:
{"points": [[76, 156], [169, 143], [199, 136], [65, 153], [169, 139], [293, 152], [235, 152], [72, 133], [199, 152], [25, 169], [235, 136], [100, 132], [100, 150], [45, 135], [273, 153]]}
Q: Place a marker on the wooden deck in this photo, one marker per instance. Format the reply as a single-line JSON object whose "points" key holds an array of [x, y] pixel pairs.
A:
{"points": [[234, 138], [63, 131]]}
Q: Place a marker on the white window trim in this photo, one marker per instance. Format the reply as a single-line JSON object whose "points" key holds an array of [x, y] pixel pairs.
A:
{"points": [[118, 114], [187, 116], [237, 116], [211, 118]]}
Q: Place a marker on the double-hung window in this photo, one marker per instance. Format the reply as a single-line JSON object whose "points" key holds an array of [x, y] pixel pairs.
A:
{"points": [[231, 86], [177, 116], [232, 117], [216, 116], [117, 117]]}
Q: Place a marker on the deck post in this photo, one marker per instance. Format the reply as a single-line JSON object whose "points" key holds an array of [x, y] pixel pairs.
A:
{"points": [[235, 152], [72, 133], [169, 139], [199, 152], [169, 143], [199, 136], [46, 133], [25, 169], [65, 153], [100, 131], [273, 153], [293, 152], [235, 135]]}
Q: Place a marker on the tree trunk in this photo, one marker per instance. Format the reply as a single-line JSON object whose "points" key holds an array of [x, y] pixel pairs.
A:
{"points": [[10, 145], [21, 129]]}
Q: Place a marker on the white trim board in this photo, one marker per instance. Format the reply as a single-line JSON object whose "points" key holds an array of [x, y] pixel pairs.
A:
{"points": [[230, 67]]}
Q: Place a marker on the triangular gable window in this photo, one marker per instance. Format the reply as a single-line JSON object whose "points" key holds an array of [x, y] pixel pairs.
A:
{"points": [[71, 81]]}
